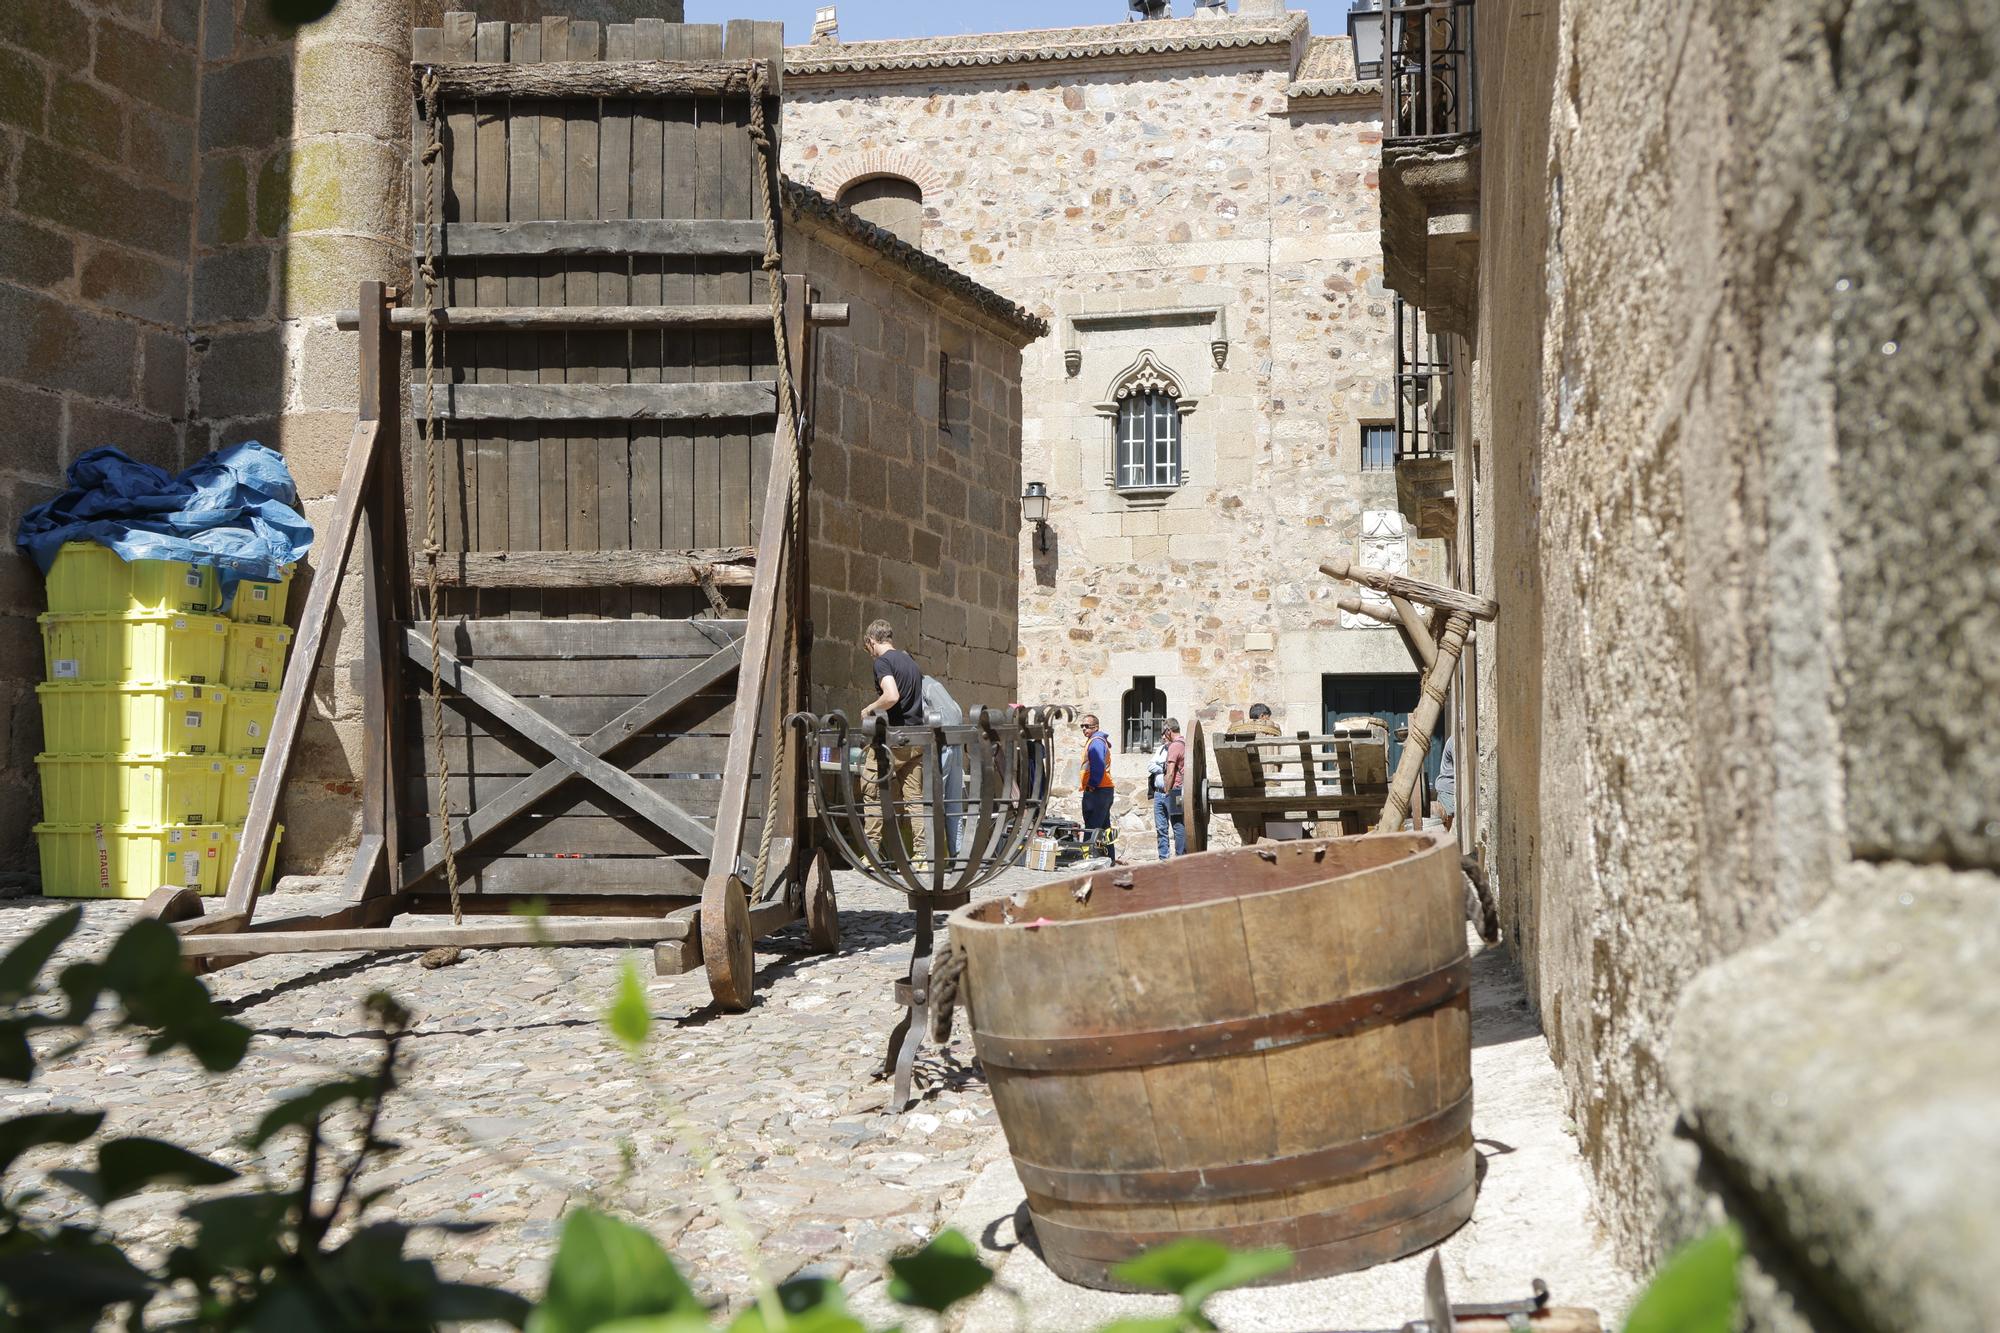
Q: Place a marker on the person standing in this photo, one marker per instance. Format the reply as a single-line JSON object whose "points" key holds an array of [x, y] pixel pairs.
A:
{"points": [[1260, 723], [1095, 778], [1447, 785], [899, 684], [1169, 816]]}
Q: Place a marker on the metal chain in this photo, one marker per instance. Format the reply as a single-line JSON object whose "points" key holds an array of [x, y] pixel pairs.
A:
{"points": [[433, 353], [788, 423]]}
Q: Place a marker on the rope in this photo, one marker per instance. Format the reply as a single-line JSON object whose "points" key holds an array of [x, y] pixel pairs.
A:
{"points": [[767, 169], [947, 988], [433, 353]]}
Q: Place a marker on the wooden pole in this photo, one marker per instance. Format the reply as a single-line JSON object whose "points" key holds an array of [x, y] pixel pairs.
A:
{"points": [[1417, 744]]}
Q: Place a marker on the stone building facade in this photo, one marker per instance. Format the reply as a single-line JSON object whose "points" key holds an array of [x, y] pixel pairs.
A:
{"points": [[1191, 204], [188, 196], [1726, 363]]}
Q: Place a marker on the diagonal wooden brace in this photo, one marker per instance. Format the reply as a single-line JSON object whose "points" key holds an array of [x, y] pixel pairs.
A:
{"points": [[564, 749], [1415, 590]]}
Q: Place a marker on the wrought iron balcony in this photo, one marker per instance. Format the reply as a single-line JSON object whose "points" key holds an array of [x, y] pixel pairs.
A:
{"points": [[1430, 158], [1425, 427]]}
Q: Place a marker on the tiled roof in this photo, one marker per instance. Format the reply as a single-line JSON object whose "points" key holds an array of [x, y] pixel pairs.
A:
{"points": [[1168, 36], [1328, 71], [809, 203]]}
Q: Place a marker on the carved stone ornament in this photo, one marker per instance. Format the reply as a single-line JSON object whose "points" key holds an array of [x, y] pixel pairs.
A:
{"points": [[1146, 375], [1219, 349], [1073, 361]]}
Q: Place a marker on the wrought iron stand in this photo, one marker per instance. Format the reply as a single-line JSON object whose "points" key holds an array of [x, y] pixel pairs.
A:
{"points": [[982, 787]]}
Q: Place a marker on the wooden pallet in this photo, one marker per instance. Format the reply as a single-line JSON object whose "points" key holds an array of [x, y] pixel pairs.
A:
{"points": [[621, 628]]}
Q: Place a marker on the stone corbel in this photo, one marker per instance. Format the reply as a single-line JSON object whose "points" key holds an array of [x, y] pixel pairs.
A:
{"points": [[1212, 315]]}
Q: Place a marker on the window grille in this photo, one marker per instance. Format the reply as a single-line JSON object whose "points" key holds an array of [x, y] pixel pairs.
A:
{"points": [[1149, 442], [1430, 87], [1378, 446], [1423, 388], [1143, 710]]}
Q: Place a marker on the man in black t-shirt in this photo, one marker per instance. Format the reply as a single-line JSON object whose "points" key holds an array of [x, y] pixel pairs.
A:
{"points": [[899, 683]]}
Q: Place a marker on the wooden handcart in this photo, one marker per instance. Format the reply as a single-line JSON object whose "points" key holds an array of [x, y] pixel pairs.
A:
{"points": [[573, 679], [1275, 786]]}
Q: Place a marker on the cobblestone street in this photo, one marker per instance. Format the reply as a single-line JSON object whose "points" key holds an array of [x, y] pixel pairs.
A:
{"points": [[517, 1104]]}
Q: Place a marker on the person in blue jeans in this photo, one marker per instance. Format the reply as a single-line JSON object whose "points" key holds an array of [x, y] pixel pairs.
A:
{"points": [[1169, 814], [1094, 778]]}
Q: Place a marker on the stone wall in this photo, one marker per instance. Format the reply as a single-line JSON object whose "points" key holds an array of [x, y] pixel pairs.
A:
{"points": [[1736, 416], [1184, 209], [912, 523]]}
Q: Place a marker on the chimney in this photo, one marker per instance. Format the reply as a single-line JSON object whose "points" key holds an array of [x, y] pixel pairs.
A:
{"points": [[1151, 9], [1211, 9], [826, 25]]}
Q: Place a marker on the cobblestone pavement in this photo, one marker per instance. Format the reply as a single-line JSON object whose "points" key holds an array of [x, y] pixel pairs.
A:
{"points": [[517, 1104]]}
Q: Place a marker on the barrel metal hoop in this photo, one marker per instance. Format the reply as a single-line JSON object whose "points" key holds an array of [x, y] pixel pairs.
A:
{"points": [[1350, 1224], [1229, 1036], [1357, 1157]]}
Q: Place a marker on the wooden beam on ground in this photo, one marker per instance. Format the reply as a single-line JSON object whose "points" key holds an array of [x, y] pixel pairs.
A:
{"points": [[725, 566], [678, 237], [571, 79], [529, 318], [474, 935], [664, 814], [1416, 590], [607, 402]]}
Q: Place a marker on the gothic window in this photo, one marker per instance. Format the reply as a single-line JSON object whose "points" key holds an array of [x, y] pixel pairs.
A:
{"points": [[893, 203], [1146, 410], [1143, 710]]}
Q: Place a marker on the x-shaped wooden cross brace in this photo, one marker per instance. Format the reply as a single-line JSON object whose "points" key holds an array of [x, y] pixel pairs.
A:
{"points": [[568, 757]]}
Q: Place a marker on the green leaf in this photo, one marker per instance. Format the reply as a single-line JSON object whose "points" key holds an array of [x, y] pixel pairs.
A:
{"points": [[660, 1323], [126, 1166], [1165, 1323], [66, 1282], [1695, 1290], [32, 1131], [1174, 1267], [1244, 1267], [25, 961], [304, 1109], [605, 1270], [144, 968], [461, 1302], [811, 1305], [940, 1275], [629, 1017]]}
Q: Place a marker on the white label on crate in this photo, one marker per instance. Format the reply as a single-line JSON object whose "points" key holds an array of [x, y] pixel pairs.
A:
{"points": [[180, 622], [173, 835], [194, 578], [253, 730], [180, 696], [215, 767], [193, 721], [259, 593], [145, 775], [68, 668]]}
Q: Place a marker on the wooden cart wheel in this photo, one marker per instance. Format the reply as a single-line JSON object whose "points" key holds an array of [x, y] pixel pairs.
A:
{"points": [[725, 942], [822, 912], [1197, 784], [170, 904]]}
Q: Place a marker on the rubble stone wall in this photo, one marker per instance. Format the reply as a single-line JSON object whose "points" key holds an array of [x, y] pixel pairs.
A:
{"points": [[1735, 412], [1187, 211]]}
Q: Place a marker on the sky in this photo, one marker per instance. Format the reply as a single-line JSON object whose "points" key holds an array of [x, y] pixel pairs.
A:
{"points": [[863, 20]]}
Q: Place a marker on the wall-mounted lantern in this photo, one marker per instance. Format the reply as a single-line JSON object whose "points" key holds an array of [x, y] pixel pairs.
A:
{"points": [[1364, 30], [1035, 510]]}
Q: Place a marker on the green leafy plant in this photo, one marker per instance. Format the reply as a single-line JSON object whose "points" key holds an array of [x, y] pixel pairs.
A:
{"points": [[1695, 1291]]}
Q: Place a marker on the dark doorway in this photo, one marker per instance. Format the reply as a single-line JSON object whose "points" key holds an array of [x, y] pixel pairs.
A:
{"points": [[1389, 697]]}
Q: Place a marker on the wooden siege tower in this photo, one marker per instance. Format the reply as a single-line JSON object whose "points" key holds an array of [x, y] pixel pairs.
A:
{"points": [[585, 576]]}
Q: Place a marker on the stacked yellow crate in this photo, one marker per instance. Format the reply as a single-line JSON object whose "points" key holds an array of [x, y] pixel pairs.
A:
{"points": [[154, 716]]}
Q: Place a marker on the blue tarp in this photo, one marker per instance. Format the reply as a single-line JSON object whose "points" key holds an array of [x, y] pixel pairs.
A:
{"points": [[236, 509]]}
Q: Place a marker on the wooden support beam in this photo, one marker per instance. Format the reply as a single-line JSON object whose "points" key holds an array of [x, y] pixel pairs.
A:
{"points": [[1416, 590], [607, 402], [409, 319], [676, 237], [473, 935], [571, 79], [725, 566]]}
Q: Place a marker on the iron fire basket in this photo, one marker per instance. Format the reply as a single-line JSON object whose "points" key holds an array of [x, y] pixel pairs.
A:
{"points": [[982, 787]]}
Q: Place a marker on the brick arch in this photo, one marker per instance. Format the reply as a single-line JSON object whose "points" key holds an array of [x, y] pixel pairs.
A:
{"points": [[834, 176]]}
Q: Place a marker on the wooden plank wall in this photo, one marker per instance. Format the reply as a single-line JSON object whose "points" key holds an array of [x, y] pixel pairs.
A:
{"points": [[590, 485], [600, 485]]}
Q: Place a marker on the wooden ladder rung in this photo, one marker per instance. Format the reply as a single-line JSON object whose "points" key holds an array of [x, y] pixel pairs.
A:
{"points": [[539, 318], [680, 237], [607, 402]]}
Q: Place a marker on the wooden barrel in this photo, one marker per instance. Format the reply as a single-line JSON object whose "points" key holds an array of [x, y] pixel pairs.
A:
{"points": [[1268, 1046]]}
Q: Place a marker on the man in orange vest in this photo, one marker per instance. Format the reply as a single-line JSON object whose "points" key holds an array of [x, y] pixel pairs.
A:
{"points": [[1095, 779]]}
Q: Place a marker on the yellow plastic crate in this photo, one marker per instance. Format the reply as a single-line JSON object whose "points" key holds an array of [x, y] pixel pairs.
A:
{"points": [[232, 844], [128, 861], [256, 657], [90, 577], [239, 777], [260, 603], [246, 726], [116, 789], [175, 718], [139, 648]]}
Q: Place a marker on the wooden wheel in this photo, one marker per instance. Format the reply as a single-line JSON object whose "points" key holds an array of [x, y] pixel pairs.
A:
{"points": [[1197, 784], [170, 904], [822, 912], [725, 942]]}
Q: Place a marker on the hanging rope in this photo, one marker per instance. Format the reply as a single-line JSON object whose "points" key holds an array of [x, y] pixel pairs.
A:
{"points": [[434, 444], [791, 447]]}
